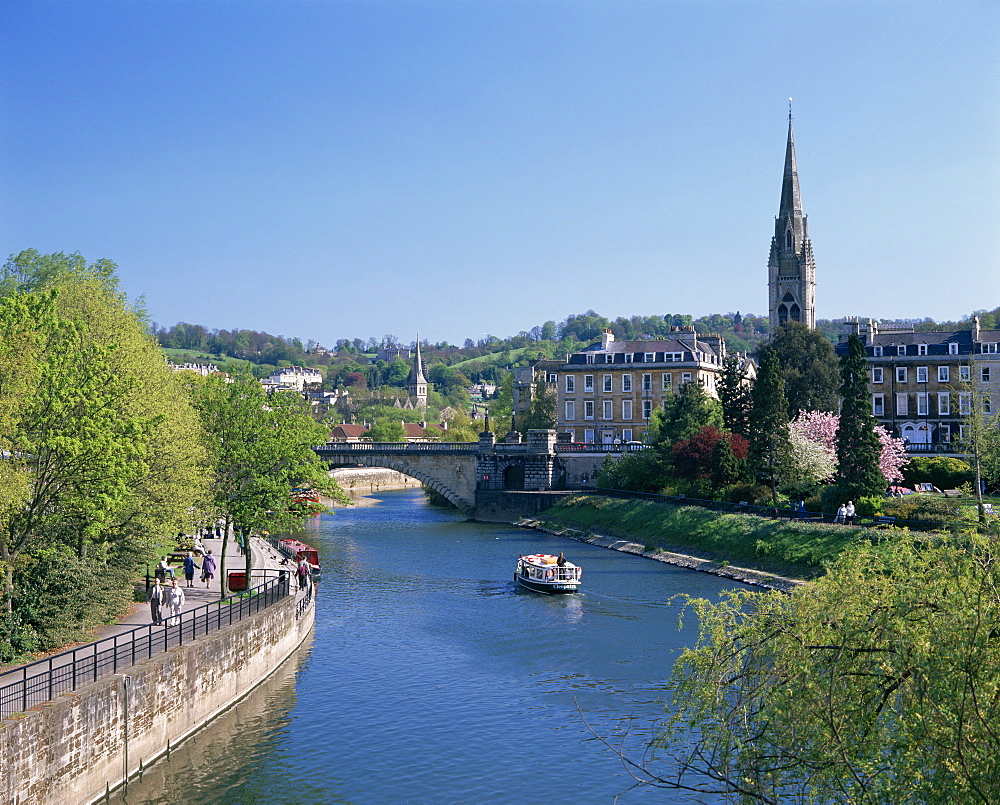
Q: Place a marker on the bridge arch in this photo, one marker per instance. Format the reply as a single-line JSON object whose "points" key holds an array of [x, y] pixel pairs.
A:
{"points": [[465, 503]]}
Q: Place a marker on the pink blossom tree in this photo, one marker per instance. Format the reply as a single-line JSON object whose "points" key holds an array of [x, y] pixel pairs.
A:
{"points": [[820, 428]]}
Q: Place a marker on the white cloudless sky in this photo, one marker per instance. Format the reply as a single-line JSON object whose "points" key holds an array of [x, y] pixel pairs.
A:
{"points": [[348, 168]]}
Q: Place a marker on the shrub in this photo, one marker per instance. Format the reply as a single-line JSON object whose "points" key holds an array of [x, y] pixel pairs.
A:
{"points": [[920, 512], [942, 471], [869, 506]]}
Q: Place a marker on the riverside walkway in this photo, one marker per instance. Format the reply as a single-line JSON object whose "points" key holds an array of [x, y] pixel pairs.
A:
{"points": [[134, 638]]}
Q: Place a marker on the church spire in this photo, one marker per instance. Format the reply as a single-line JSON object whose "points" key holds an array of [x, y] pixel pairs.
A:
{"points": [[418, 384], [791, 268], [791, 199]]}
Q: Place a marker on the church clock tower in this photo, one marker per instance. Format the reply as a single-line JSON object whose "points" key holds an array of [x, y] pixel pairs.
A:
{"points": [[791, 268]]}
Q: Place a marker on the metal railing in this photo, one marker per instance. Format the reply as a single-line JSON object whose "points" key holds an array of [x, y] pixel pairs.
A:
{"points": [[44, 680], [396, 447]]}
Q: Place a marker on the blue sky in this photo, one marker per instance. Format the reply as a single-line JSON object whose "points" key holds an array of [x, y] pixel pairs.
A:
{"points": [[348, 169]]}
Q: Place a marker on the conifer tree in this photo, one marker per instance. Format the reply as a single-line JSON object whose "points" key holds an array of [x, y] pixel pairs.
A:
{"points": [[734, 396], [858, 446], [769, 421]]}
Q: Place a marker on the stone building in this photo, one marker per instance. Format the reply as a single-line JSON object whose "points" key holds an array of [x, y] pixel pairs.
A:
{"points": [[791, 268], [923, 383], [418, 384], [607, 392]]}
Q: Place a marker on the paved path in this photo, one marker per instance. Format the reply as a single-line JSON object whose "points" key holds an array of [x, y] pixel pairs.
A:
{"points": [[264, 558]]}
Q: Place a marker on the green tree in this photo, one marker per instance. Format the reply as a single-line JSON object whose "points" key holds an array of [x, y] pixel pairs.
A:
{"points": [[876, 683], [769, 422], [858, 447], [541, 413], [684, 414], [810, 367], [261, 446], [386, 430], [734, 396]]}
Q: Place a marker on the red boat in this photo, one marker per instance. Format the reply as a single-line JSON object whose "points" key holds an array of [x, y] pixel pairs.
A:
{"points": [[302, 551]]}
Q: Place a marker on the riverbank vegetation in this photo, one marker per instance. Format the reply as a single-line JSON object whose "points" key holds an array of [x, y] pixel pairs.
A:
{"points": [[786, 547], [876, 683], [102, 451]]}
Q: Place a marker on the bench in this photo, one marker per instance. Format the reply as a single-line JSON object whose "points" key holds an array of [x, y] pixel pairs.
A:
{"points": [[952, 493], [884, 522]]}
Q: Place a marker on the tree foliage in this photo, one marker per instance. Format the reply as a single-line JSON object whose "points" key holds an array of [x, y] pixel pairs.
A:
{"points": [[769, 444], [877, 683], [810, 366], [858, 445]]}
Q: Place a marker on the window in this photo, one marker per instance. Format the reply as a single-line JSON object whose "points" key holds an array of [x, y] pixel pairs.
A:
{"points": [[608, 412], [877, 351], [626, 409], [952, 347], [685, 377], [877, 374], [588, 383], [902, 406], [944, 403], [988, 348], [647, 409], [570, 409], [944, 431], [987, 404], [628, 357], [944, 374], [551, 377], [591, 358], [921, 374], [921, 403], [668, 381], [626, 382], [964, 403], [878, 405], [588, 435], [588, 409], [607, 382], [901, 349], [626, 434], [675, 357], [921, 349], [649, 357], [964, 374], [984, 373], [900, 374], [647, 382], [570, 384]]}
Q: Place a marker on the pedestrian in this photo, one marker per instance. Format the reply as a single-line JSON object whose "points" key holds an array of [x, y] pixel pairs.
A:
{"points": [[208, 568], [174, 599], [841, 514], [802, 510], [163, 569], [303, 570], [155, 598], [189, 568], [849, 513]]}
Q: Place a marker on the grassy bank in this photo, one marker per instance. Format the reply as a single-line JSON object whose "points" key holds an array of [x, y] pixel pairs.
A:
{"points": [[794, 549]]}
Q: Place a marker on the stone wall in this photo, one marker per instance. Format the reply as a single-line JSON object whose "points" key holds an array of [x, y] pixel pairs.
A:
{"points": [[72, 749], [505, 507]]}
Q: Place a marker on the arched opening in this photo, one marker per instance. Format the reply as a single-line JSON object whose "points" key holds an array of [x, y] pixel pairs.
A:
{"points": [[794, 313], [782, 315], [513, 478]]}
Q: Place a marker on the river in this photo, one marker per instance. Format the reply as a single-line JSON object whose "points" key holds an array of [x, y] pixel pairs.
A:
{"points": [[432, 678]]}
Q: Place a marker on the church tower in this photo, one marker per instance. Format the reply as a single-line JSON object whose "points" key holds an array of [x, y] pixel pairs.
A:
{"points": [[418, 384], [791, 268]]}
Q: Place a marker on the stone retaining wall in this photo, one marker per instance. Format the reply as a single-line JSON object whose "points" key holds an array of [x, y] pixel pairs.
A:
{"points": [[72, 749]]}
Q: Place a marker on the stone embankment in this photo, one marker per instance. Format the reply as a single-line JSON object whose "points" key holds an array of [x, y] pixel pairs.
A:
{"points": [[757, 578], [365, 480]]}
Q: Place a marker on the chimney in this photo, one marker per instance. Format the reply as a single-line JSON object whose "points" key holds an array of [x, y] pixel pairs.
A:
{"points": [[607, 338], [975, 328]]}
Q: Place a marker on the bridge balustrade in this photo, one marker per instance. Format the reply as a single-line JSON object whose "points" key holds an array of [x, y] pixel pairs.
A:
{"points": [[467, 448]]}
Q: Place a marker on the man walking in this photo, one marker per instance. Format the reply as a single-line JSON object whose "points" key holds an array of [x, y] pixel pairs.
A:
{"points": [[155, 599]]}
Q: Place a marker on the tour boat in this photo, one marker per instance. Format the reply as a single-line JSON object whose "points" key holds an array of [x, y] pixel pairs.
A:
{"points": [[302, 551], [542, 573]]}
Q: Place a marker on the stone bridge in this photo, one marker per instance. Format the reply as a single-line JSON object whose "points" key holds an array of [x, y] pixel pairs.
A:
{"points": [[467, 473]]}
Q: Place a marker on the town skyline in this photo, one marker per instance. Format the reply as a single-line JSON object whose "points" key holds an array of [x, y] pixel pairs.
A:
{"points": [[329, 170]]}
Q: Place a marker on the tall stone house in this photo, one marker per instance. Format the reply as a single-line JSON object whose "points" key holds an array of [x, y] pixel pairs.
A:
{"points": [[924, 384]]}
